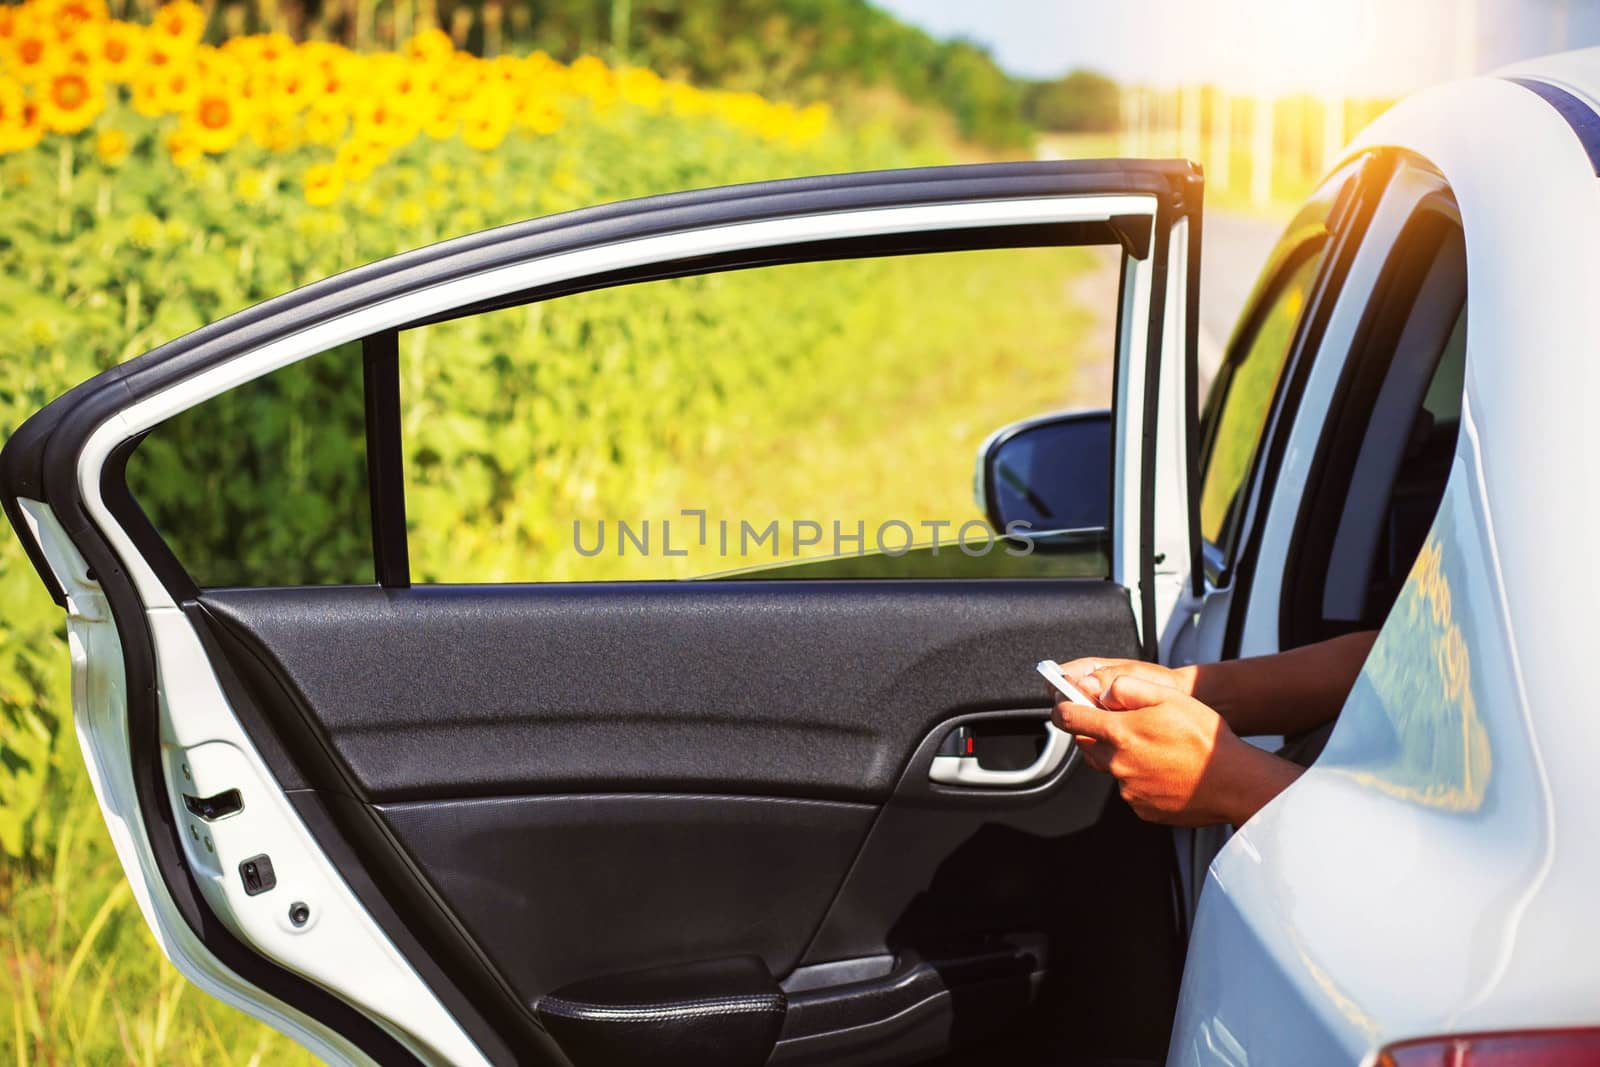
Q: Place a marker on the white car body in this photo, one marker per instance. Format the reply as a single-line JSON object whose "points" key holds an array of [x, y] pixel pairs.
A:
{"points": [[1440, 878]]}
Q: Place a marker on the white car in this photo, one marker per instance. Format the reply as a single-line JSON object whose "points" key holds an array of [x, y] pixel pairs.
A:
{"points": [[443, 824]]}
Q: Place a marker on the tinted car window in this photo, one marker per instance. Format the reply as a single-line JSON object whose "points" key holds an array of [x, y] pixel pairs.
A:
{"points": [[1250, 382]]}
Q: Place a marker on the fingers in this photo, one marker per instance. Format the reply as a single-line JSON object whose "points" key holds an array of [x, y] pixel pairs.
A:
{"points": [[1090, 722], [1096, 754], [1101, 679], [1076, 670], [1129, 692]]}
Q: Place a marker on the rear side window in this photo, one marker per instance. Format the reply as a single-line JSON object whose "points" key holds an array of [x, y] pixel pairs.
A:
{"points": [[1389, 438], [1245, 394], [267, 483]]}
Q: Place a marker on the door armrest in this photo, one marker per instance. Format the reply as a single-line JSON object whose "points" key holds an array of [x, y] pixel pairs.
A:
{"points": [[717, 1013]]}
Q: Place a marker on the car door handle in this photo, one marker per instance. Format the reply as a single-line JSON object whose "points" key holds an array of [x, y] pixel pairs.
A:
{"points": [[964, 770]]}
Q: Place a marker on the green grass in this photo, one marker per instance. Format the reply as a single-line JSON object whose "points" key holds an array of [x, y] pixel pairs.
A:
{"points": [[81, 974]]}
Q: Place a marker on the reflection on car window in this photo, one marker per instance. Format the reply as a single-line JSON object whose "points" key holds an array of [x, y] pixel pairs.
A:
{"points": [[1242, 416]]}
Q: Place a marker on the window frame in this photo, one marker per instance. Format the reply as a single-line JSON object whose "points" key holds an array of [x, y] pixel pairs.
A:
{"points": [[1362, 378], [1341, 208], [1134, 210], [1344, 204]]}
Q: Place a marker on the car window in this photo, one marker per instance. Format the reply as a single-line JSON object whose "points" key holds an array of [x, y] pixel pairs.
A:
{"points": [[1422, 470], [1387, 439], [1415, 358], [267, 483], [800, 420], [756, 418], [1239, 415]]}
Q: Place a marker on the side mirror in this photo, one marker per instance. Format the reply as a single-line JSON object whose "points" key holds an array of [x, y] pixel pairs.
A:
{"points": [[1052, 472]]}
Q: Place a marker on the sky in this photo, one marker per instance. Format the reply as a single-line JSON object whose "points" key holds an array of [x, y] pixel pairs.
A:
{"points": [[1354, 47]]}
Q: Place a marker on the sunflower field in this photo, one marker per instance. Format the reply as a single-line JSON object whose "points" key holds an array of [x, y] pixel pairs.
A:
{"points": [[155, 176]]}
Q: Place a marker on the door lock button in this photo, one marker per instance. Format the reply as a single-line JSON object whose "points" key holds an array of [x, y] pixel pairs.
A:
{"points": [[256, 873]]}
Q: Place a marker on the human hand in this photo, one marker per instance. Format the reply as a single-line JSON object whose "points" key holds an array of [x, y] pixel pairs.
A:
{"points": [[1093, 675], [1174, 759]]}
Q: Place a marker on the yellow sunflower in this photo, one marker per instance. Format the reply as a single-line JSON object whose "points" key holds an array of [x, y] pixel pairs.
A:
{"points": [[31, 51], [325, 123], [294, 90], [274, 130], [112, 146], [357, 159], [381, 122], [176, 89], [179, 24], [69, 101], [115, 50], [540, 115], [70, 16], [12, 115], [439, 122], [184, 147], [147, 99], [484, 128], [323, 184], [216, 121], [430, 45], [274, 48]]}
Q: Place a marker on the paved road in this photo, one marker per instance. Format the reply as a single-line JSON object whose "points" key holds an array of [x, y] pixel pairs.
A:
{"points": [[1234, 249]]}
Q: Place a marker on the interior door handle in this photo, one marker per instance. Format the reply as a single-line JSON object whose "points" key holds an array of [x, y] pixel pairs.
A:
{"points": [[966, 771]]}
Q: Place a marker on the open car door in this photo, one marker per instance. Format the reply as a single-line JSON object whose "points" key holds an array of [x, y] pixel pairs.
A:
{"points": [[741, 821]]}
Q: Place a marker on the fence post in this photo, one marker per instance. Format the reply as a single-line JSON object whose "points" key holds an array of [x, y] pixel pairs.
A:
{"points": [[1261, 146], [1332, 129], [1141, 120], [1189, 117], [1220, 161], [1126, 143]]}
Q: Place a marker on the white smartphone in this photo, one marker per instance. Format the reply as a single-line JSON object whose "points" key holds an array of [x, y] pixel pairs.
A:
{"points": [[1052, 674]]}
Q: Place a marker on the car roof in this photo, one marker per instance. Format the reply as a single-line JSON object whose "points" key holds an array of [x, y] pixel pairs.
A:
{"points": [[1577, 71]]}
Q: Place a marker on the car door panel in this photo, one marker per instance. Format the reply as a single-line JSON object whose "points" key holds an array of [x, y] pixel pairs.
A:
{"points": [[533, 698], [514, 801], [454, 691], [668, 878], [734, 798]]}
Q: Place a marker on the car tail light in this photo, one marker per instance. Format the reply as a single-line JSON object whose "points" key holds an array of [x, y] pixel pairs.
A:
{"points": [[1523, 1048]]}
